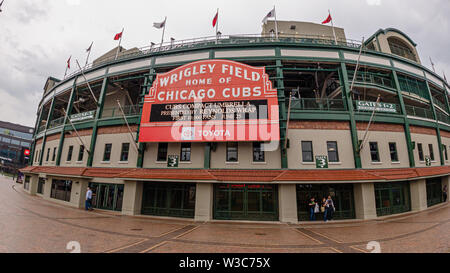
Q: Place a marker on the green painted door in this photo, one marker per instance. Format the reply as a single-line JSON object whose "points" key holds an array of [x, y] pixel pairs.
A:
{"points": [[434, 191], [392, 198], [341, 194], [246, 202], [107, 196]]}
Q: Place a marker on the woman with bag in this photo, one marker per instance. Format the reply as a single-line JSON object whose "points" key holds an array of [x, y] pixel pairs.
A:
{"points": [[331, 208]]}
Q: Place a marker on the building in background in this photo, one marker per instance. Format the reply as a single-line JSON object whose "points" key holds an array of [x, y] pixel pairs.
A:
{"points": [[15, 145], [399, 163]]}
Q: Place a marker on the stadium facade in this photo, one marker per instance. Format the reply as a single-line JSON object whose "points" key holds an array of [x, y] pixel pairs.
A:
{"points": [[367, 124]]}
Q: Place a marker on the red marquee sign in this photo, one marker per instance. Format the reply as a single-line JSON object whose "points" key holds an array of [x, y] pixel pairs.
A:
{"points": [[210, 101]]}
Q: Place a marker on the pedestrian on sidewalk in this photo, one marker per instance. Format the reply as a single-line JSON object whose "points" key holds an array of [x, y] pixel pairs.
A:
{"points": [[330, 208], [312, 207], [324, 209], [88, 204]]}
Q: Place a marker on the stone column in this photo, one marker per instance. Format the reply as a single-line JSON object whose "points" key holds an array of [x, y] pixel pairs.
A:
{"points": [[47, 186], [78, 194], [287, 200], [33, 184], [204, 202], [132, 198], [418, 190], [365, 206]]}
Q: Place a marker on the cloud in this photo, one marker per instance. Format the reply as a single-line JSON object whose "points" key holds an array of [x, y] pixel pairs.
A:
{"points": [[37, 36]]}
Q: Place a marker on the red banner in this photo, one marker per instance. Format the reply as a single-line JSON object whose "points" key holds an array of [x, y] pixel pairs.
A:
{"points": [[210, 101]]}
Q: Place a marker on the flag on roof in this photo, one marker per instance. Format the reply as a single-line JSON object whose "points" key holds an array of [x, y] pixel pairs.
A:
{"points": [[160, 25], [269, 15]]}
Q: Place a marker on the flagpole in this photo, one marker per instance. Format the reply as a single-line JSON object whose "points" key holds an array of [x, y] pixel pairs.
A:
{"points": [[276, 24], [332, 26], [67, 67], [164, 29], [432, 65], [89, 53], [120, 41], [217, 27]]}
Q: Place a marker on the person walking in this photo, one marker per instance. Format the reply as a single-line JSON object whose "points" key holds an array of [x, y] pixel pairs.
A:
{"points": [[322, 208], [88, 205], [331, 208], [312, 207], [444, 193]]}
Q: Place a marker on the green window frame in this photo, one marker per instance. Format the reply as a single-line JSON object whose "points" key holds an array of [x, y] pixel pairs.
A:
{"points": [[69, 153], [48, 155], [81, 153], [54, 154], [430, 149], [374, 154], [124, 152], [393, 151], [107, 152], [420, 151], [444, 148], [232, 152], [258, 152], [307, 151], [162, 151], [333, 153], [185, 152]]}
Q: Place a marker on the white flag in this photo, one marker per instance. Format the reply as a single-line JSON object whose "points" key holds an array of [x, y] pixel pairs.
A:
{"points": [[269, 15], [160, 25]]}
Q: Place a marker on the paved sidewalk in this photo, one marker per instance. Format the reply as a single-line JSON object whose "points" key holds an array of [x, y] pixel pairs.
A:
{"points": [[31, 224]]}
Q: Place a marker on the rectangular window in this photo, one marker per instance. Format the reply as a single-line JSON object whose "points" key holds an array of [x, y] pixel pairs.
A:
{"points": [[107, 152], [162, 151], [61, 190], [258, 152], [393, 151], [185, 152], [232, 152], [125, 151], [444, 148], [333, 155], [374, 155], [81, 153], [307, 151], [69, 154], [48, 154], [420, 150], [430, 147], [54, 154]]}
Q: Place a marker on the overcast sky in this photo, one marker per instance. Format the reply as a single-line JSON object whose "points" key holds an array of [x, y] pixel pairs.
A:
{"points": [[38, 36]]}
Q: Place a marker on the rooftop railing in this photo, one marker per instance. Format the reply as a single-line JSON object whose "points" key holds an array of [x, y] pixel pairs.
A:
{"points": [[419, 112], [129, 110], [223, 40], [317, 104]]}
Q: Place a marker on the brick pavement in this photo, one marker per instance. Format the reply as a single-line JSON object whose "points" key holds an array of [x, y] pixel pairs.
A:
{"points": [[31, 224]]}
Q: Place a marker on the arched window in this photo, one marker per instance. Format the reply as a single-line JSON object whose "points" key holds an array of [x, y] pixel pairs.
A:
{"points": [[400, 48]]}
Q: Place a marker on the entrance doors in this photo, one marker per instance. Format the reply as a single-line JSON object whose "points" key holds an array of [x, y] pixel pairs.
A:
{"points": [[392, 198], [246, 202], [169, 199], [341, 194], [107, 196], [434, 191]]}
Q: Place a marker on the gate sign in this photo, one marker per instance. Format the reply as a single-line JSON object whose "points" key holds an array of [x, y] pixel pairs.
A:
{"points": [[379, 107], [322, 162], [211, 101]]}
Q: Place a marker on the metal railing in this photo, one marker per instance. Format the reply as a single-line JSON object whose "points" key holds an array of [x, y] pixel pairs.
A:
{"points": [[56, 122], [419, 112], [41, 128], [439, 103], [442, 117], [129, 110], [223, 40], [317, 104], [371, 78]]}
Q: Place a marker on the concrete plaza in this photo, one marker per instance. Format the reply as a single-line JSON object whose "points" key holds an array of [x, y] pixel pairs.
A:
{"points": [[31, 224]]}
